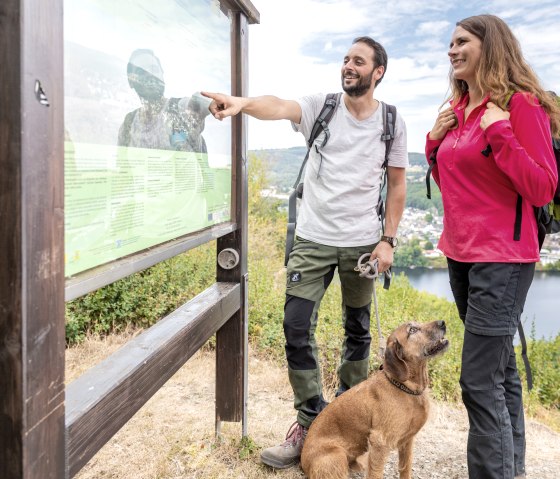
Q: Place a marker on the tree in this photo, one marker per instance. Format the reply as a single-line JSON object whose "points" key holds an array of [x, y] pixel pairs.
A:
{"points": [[410, 254], [260, 206]]}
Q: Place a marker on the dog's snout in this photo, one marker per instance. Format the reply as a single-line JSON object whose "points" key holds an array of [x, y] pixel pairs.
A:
{"points": [[441, 325]]}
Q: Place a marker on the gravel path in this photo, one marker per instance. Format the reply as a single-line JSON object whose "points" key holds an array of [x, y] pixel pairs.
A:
{"points": [[172, 436]]}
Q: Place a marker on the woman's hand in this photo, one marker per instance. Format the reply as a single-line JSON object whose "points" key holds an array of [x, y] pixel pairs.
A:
{"points": [[446, 120], [492, 114]]}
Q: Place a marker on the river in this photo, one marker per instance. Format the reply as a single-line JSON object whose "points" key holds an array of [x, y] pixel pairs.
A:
{"points": [[542, 305]]}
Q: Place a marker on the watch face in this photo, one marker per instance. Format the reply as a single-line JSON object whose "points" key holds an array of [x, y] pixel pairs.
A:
{"points": [[393, 241]]}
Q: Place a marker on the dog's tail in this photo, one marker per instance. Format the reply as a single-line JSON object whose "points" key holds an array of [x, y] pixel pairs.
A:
{"points": [[331, 463]]}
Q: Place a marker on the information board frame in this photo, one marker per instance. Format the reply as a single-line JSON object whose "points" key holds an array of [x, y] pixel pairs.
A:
{"points": [[49, 430], [124, 257]]}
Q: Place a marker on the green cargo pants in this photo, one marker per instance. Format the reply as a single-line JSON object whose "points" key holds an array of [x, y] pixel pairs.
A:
{"points": [[310, 270]]}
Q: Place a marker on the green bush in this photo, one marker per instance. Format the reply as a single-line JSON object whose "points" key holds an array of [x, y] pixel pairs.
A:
{"points": [[409, 254], [141, 299]]}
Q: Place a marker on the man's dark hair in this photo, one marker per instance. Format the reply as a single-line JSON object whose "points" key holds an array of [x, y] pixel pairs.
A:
{"points": [[379, 54]]}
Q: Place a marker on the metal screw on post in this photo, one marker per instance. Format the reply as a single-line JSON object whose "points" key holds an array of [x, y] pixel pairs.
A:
{"points": [[228, 258]]}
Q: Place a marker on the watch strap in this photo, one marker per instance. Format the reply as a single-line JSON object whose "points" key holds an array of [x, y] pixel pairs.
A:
{"points": [[389, 239]]}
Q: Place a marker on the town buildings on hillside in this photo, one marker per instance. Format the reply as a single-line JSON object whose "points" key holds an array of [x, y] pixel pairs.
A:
{"points": [[428, 225]]}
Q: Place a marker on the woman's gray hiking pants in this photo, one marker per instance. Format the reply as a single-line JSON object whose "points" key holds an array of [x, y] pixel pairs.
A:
{"points": [[490, 299]]}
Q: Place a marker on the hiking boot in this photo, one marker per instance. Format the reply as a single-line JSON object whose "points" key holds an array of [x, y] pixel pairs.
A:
{"points": [[286, 454]]}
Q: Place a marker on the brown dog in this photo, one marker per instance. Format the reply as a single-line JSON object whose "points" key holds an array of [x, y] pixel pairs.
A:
{"points": [[380, 414]]}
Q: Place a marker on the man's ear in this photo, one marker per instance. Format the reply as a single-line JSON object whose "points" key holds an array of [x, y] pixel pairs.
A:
{"points": [[378, 72], [394, 363]]}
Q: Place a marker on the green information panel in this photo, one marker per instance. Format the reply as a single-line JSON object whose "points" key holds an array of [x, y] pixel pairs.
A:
{"points": [[144, 161]]}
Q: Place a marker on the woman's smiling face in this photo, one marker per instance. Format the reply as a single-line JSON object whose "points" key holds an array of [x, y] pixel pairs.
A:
{"points": [[465, 50]]}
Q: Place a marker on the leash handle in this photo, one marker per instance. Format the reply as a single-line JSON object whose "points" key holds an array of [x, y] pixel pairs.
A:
{"points": [[367, 269], [370, 270]]}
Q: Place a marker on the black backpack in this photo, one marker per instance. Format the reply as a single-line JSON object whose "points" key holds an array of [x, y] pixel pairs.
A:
{"points": [[547, 216], [321, 124]]}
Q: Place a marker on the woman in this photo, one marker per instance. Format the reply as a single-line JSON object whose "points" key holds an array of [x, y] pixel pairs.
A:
{"points": [[496, 100]]}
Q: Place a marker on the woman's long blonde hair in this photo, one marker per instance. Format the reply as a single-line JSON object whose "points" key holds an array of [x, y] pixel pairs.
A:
{"points": [[502, 68]]}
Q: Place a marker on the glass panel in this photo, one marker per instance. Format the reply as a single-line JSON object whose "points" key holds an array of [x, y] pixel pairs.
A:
{"points": [[144, 163]]}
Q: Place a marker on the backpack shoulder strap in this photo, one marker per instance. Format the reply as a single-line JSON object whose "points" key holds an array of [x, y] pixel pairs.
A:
{"points": [[528, 373], [389, 113], [389, 120], [321, 124], [433, 161], [508, 98], [125, 129]]}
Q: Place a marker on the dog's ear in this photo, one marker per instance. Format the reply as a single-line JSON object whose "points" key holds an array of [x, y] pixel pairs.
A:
{"points": [[394, 363]]}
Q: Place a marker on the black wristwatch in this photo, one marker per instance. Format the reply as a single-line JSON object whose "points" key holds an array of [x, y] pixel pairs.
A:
{"points": [[392, 240]]}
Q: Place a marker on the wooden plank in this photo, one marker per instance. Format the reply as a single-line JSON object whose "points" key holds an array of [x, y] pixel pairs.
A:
{"points": [[104, 398], [43, 236], [11, 376], [232, 339], [246, 7], [96, 278], [31, 241]]}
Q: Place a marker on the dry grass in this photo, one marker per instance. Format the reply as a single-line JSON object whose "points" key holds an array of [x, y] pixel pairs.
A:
{"points": [[172, 436]]}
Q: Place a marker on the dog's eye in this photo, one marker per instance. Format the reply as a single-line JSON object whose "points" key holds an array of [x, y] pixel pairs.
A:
{"points": [[412, 330]]}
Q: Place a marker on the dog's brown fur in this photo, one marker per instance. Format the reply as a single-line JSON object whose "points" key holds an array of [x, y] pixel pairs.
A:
{"points": [[376, 416]]}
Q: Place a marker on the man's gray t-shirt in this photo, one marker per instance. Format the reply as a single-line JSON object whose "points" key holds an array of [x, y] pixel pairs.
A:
{"points": [[342, 180]]}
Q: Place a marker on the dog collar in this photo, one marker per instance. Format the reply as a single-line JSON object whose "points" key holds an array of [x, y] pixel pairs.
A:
{"points": [[401, 386]]}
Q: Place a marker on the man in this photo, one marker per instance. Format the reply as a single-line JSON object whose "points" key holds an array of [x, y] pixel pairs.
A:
{"points": [[161, 123], [337, 223]]}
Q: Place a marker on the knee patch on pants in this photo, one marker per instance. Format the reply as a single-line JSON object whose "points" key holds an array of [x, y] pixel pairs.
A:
{"points": [[297, 327], [358, 336]]}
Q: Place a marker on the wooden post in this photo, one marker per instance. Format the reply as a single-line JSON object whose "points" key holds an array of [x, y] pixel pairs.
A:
{"points": [[31, 240], [231, 339]]}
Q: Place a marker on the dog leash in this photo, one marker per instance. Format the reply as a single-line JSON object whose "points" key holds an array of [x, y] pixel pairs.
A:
{"points": [[369, 270]]}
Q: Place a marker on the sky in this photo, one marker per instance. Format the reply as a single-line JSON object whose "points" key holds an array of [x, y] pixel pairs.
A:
{"points": [[298, 47]]}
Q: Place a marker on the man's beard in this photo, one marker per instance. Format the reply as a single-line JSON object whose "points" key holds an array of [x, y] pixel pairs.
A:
{"points": [[151, 93], [360, 88]]}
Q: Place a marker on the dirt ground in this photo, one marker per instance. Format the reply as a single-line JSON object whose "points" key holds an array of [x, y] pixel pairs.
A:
{"points": [[172, 436]]}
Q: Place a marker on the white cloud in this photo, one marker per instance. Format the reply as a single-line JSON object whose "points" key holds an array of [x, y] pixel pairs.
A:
{"points": [[299, 45], [433, 28]]}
